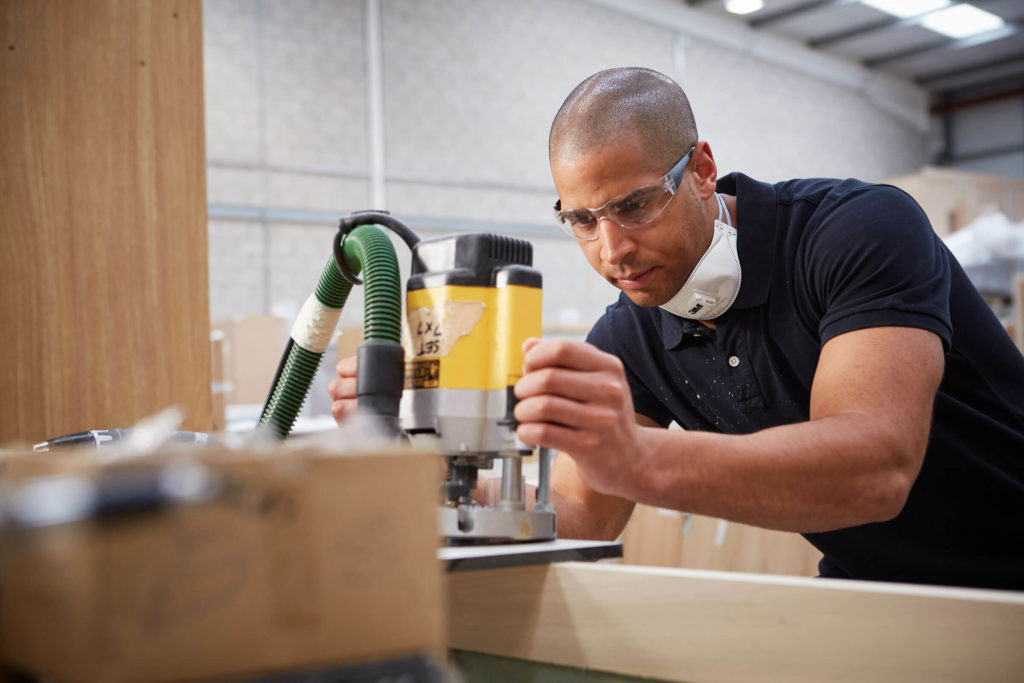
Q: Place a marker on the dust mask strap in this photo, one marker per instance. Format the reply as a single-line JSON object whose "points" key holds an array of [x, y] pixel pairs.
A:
{"points": [[715, 280]]}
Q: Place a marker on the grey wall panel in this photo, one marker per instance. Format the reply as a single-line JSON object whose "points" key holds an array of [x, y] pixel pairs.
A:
{"points": [[773, 124], [232, 185], [237, 268], [315, 91], [1009, 164], [309, 191], [988, 126], [473, 204], [469, 88], [232, 72], [574, 295]]}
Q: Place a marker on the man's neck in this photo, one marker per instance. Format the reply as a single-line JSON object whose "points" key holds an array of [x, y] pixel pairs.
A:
{"points": [[730, 205]]}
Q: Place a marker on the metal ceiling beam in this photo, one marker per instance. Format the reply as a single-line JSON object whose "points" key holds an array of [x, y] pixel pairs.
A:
{"points": [[1002, 88], [967, 70], [887, 23], [880, 25], [790, 12], [987, 153], [946, 44]]}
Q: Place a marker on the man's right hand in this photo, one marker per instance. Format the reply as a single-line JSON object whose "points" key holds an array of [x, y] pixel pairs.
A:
{"points": [[343, 390]]}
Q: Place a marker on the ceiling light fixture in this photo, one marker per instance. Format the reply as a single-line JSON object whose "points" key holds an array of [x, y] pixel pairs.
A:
{"points": [[743, 6], [906, 8], [962, 21]]}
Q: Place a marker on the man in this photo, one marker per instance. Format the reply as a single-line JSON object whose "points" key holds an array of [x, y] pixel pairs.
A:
{"points": [[833, 369]]}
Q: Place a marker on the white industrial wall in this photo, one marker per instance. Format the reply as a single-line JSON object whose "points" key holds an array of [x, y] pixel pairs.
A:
{"points": [[463, 92]]}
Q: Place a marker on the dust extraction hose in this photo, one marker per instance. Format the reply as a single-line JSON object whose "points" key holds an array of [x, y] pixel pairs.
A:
{"points": [[361, 247]]}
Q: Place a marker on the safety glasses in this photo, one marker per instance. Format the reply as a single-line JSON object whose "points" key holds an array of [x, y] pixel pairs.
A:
{"points": [[628, 210]]}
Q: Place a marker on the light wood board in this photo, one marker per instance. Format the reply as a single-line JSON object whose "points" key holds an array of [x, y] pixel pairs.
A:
{"points": [[691, 625], [103, 269], [667, 538]]}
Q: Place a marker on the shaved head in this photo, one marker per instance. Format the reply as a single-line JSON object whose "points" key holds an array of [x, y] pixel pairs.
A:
{"points": [[619, 105]]}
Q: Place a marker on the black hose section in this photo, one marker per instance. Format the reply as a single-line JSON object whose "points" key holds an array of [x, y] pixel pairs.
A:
{"points": [[277, 378], [379, 382], [354, 220], [360, 218]]}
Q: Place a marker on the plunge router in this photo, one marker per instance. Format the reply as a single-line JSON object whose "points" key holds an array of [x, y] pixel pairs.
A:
{"points": [[471, 302]]}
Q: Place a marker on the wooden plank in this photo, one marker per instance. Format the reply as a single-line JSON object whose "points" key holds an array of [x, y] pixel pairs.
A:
{"points": [[253, 348], [689, 625], [953, 198], [653, 537], [717, 544], [103, 271], [665, 538]]}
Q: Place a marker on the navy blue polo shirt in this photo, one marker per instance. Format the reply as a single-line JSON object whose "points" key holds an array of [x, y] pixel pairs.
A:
{"points": [[821, 257]]}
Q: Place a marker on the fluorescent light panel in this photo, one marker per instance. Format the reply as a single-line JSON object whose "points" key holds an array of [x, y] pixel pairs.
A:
{"points": [[906, 8], [743, 6], [956, 21], [962, 21]]}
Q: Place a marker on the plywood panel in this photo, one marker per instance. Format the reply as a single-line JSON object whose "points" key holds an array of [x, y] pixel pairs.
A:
{"points": [[103, 271], [253, 345], [666, 538], [688, 625], [953, 198]]}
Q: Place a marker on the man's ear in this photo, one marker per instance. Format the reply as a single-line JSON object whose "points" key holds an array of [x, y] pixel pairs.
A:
{"points": [[706, 170]]}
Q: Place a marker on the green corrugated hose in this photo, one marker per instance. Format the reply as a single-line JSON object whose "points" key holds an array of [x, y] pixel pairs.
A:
{"points": [[367, 249]]}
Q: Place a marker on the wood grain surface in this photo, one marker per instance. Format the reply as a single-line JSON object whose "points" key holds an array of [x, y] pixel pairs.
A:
{"points": [[104, 303], [667, 538], [690, 625]]}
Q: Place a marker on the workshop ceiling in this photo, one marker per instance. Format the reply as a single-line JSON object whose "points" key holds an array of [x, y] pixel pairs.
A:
{"points": [[986, 65]]}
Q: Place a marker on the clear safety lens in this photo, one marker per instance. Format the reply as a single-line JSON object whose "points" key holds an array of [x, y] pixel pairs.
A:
{"points": [[629, 210]]}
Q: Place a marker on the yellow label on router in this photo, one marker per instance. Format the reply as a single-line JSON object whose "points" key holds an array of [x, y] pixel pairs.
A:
{"points": [[459, 337]]}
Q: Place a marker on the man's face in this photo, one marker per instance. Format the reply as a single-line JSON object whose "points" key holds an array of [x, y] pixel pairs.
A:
{"points": [[650, 263]]}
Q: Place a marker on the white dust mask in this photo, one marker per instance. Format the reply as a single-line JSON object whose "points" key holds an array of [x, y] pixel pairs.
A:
{"points": [[715, 280]]}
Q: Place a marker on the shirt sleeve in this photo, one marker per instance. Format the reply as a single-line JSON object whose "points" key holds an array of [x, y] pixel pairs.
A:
{"points": [[604, 335], [872, 261]]}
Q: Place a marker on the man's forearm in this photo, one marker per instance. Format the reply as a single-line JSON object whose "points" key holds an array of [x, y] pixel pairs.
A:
{"points": [[812, 476]]}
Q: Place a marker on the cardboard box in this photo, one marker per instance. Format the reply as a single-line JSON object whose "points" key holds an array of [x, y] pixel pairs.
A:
{"points": [[952, 198], [348, 342], [252, 349], [306, 560]]}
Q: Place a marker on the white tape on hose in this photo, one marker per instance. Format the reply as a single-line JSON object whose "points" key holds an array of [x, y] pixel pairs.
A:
{"points": [[315, 326]]}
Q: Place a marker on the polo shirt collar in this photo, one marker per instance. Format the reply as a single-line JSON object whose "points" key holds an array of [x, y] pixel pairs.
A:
{"points": [[755, 244], [755, 236], [674, 328]]}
